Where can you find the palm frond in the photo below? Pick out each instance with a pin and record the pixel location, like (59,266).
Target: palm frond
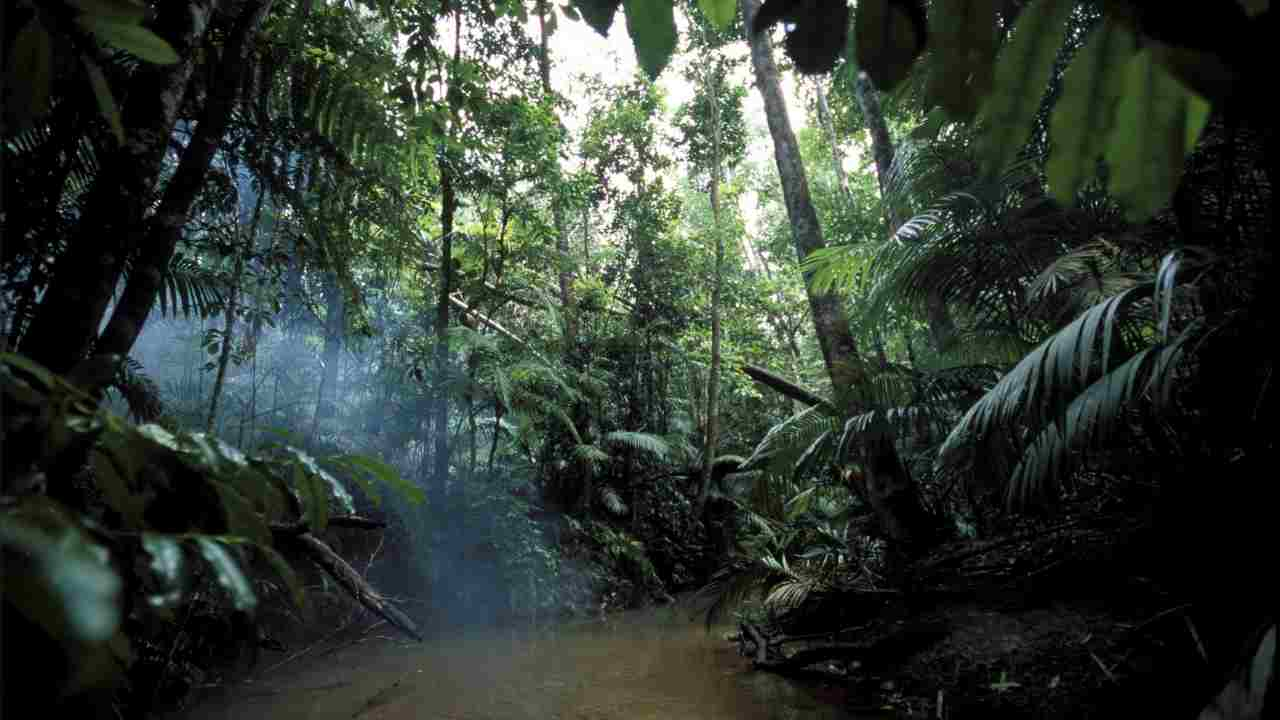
(646,442)
(195,288)
(612,501)
(1092,419)
(590,454)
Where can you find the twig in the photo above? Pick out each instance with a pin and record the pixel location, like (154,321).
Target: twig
(1195,636)
(1105,670)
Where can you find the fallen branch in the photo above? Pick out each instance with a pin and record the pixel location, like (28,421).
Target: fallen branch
(347,577)
(812,656)
(358,522)
(785,387)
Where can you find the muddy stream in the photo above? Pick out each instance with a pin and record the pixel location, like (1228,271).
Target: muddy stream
(637,665)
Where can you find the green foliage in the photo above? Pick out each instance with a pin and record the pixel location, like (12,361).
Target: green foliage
(653,30)
(159,498)
(1070,395)
(44,38)
(1140,110)
(719,12)
(1022,73)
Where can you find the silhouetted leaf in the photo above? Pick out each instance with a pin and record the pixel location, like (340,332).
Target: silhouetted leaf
(652,27)
(1157,123)
(598,13)
(106,102)
(130,37)
(30,74)
(1022,74)
(1084,116)
(888,41)
(962,38)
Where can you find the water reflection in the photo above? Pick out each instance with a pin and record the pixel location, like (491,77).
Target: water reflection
(652,664)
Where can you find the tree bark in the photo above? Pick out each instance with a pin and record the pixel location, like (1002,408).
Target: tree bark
(229,319)
(84,277)
(712,91)
(335,327)
(563,257)
(165,228)
(839,350)
(346,576)
(889,488)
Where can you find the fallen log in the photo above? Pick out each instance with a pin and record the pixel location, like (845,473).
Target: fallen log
(357,586)
(358,522)
(785,387)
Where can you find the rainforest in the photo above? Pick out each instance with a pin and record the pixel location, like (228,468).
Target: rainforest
(514,359)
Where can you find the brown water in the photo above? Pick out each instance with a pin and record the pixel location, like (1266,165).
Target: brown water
(639,665)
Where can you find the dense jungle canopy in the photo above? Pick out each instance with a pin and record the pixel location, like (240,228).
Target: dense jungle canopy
(924,343)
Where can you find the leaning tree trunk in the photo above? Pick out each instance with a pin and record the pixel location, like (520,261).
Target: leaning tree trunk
(84,277)
(888,487)
(165,227)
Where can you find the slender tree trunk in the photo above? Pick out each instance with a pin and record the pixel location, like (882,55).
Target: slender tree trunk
(942,329)
(165,228)
(563,258)
(712,91)
(335,326)
(828,127)
(888,487)
(84,277)
(229,319)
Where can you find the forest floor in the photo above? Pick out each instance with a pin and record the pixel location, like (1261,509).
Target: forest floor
(1038,625)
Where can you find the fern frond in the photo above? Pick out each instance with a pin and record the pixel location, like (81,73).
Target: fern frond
(612,501)
(646,442)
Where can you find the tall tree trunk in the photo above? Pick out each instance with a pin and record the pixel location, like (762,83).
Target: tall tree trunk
(229,319)
(335,326)
(888,487)
(829,128)
(84,277)
(165,227)
(839,350)
(563,258)
(942,329)
(448,212)
(712,90)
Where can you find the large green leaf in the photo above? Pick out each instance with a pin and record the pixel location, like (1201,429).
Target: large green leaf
(227,572)
(652,26)
(962,36)
(57,576)
(167,569)
(123,11)
(598,13)
(1022,74)
(1085,114)
(106,101)
(887,40)
(30,73)
(1157,123)
(130,37)
(719,12)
